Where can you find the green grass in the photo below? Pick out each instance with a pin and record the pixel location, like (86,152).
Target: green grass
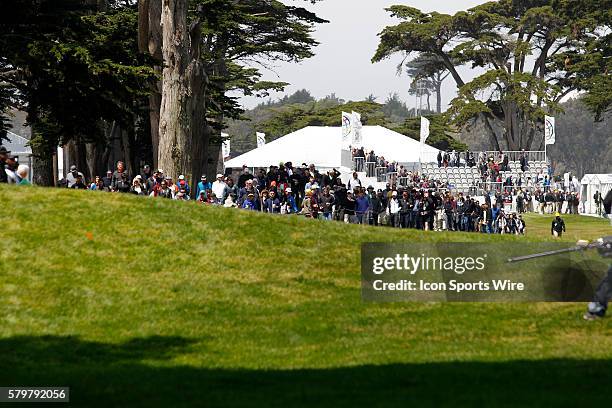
(144,302)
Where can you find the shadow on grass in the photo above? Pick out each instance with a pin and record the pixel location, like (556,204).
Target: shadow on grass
(139,373)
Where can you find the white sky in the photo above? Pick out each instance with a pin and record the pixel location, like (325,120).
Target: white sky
(348,42)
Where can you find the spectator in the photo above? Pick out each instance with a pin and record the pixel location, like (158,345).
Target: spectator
(108,180)
(558,226)
(218,187)
(97,185)
(118,177)
(137,188)
(11,167)
(3,156)
(165,191)
(353,182)
(78,183)
(22,173)
(72,176)
(203,185)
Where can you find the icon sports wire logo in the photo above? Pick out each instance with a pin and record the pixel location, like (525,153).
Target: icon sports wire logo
(412,265)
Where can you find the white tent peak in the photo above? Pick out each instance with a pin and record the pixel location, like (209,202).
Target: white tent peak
(321,146)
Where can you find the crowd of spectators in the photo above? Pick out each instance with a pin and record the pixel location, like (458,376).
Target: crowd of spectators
(412,200)
(11,171)
(305,191)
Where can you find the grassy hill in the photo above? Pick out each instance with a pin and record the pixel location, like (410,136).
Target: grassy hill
(142,302)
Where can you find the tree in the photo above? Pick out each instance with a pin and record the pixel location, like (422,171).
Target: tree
(430,69)
(71,68)
(294,117)
(395,109)
(503,38)
(226,36)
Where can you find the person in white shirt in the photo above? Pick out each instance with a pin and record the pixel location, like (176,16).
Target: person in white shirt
(354,182)
(218,188)
(393,210)
(71,177)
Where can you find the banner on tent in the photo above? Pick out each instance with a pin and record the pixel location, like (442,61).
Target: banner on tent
(424,129)
(347,130)
(261,139)
(225,147)
(550,135)
(357,127)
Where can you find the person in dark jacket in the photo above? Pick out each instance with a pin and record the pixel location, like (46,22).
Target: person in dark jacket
(273,204)
(3,157)
(607,203)
(246,175)
(107,180)
(122,185)
(557,227)
(376,206)
(598,307)
(78,183)
(405,210)
(362,206)
(118,176)
(326,204)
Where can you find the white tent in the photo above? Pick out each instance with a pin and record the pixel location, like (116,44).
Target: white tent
(18,146)
(321,146)
(590,184)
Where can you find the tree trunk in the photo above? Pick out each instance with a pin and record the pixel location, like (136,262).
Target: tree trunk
(175,126)
(183,141)
(439,97)
(42,164)
(150,40)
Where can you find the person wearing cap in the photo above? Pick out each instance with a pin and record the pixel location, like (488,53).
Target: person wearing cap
(182,184)
(218,187)
(246,190)
(307,204)
(11,167)
(71,177)
(3,156)
(137,188)
(557,227)
(249,203)
(108,180)
(203,185)
(290,204)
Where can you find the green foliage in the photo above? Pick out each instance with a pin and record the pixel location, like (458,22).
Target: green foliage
(295,117)
(279,119)
(75,67)
(238,36)
(534,53)
(440,135)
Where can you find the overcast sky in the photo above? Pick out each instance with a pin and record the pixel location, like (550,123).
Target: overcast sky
(348,42)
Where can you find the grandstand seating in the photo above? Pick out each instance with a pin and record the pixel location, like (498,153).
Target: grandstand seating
(464,179)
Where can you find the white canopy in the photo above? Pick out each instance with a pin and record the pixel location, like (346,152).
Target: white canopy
(17,145)
(590,184)
(321,146)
